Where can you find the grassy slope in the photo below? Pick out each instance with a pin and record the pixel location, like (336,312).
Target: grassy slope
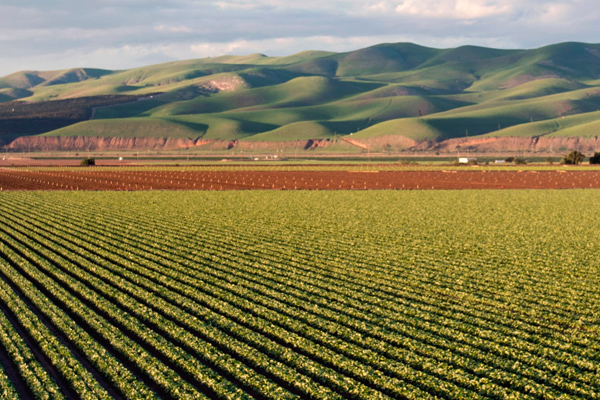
(585,125)
(131,127)
(11,94)
(388,89)
(412,128)
(295,131)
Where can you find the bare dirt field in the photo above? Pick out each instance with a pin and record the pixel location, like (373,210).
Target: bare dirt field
(97,179)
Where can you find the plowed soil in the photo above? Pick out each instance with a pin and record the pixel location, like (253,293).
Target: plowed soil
(96,179)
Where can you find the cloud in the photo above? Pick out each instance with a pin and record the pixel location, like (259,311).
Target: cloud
(340,6)
(380,7)
(211,49)
(555,12)
(455,9)
(38,34)
(176,29)
(238,5)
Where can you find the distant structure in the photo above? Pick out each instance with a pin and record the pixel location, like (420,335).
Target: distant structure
(467,160)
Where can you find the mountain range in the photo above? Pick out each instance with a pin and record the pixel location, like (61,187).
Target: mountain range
(388,97)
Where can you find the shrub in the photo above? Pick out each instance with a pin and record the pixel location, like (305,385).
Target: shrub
(88,162)
(573,158)
(520,161)
(595,159)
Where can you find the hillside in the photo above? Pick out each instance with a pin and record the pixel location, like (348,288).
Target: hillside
(390,97)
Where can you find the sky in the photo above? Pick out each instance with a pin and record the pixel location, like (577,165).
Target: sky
(119,34)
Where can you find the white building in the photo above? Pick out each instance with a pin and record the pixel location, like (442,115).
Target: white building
(467,160)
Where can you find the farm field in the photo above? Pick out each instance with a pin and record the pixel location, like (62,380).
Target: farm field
(466,294)
(338,177)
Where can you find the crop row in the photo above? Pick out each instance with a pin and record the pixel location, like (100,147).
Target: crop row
(337,278)
(39,382)
(205,302)
(314,369)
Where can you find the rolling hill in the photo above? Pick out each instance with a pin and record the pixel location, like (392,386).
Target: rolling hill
(388,97)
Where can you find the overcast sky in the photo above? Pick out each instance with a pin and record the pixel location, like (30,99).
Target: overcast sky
(118,34)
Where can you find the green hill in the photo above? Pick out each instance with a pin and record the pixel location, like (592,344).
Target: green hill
(401,89)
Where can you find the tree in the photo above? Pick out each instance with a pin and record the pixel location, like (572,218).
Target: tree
(573,158)
(595,159)
(88,162)
(520,161)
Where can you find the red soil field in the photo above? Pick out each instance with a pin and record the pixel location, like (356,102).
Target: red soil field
(96,179)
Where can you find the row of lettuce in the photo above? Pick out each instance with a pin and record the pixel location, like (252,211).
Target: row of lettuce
(200,301)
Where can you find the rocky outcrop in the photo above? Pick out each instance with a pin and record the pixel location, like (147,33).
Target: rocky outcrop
(539,144)
(92,143)
(312,144)
(385,144)
(389,143)
(356,143)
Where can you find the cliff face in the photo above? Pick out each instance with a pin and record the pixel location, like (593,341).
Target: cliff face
(393,143)
(502,144)
(538,144)
(90,143)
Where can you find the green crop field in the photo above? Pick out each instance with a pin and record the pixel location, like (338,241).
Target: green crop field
(321,295)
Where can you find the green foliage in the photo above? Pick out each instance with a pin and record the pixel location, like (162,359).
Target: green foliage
(365,300)
(88,162)
(595,159)
(516,160)
(520,161)
(575,157)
